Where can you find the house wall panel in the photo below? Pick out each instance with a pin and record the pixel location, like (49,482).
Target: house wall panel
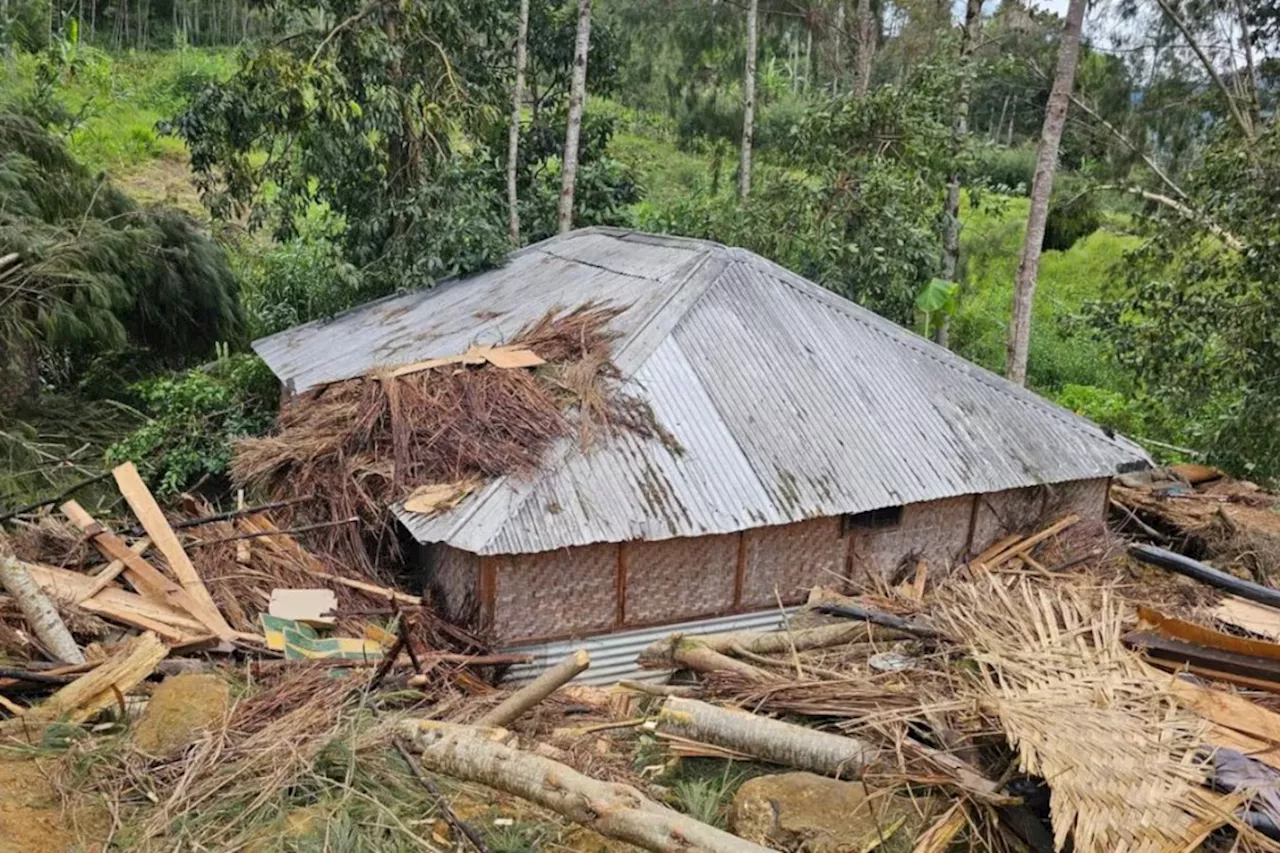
(680,578)
(791,559)
(454,581)
(934,531)
(565,593)
(1026,510)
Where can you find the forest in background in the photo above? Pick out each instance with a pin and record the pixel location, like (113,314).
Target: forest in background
(178,177)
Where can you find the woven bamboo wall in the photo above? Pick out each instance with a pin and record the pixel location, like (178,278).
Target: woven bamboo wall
(562,593)
(1025,510)
(678,579)
(454,579)
(791,558)
(936,532)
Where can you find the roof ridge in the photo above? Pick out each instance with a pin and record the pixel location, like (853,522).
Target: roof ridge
(899,334)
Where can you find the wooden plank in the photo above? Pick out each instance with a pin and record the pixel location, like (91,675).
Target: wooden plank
(152,519)
(113,570)
(996,548)
(1179,629)
(118,605)
(1249,615)
(1221,665)
(1027,544)
(1227,709)
(146,578)
(96,690)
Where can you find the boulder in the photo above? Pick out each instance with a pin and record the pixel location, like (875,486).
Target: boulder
(181,710)
(814,814)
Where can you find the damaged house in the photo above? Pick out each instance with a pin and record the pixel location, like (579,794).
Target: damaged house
(806,440)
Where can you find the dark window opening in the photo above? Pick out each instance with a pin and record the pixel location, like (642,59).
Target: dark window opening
(889,516)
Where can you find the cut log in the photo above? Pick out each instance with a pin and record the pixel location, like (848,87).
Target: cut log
(42,617)
(535,691)
(807,639)
(1197,570)
(613,810)
(152,519)
(96,690)
(663,690)
(767,739)
(689,653)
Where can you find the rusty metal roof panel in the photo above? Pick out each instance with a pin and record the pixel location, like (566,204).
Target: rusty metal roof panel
(783,400)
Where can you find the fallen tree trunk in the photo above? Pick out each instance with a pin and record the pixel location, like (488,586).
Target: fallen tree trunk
(613,810)
(535,691)
(42,617)
(710,652)
(767,739)
(1197,570)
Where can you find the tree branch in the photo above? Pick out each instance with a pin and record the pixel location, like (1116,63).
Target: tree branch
(1128,143)
(1230,240)
(1246,126)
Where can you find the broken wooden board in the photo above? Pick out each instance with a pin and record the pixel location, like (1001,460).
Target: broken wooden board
(118,605)
(96,690)
(435,497)
(146,578)
(113,569)
(1179,629)
(152,519)
(1253,617)
(314,607)
(502,357)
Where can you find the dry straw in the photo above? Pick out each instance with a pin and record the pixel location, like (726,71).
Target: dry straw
(1123,762)
(365,443)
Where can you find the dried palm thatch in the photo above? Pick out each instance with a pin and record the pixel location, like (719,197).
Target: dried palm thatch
(365,443)
(1123,762)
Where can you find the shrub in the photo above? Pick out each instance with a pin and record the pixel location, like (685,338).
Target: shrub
(194,418)
(1073,215)
(1009,170)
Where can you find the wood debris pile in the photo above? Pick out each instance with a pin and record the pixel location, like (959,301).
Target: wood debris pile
(1040,698)
(366,443)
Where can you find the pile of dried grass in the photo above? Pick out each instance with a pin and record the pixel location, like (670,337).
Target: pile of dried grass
(364,443)
(1123,761)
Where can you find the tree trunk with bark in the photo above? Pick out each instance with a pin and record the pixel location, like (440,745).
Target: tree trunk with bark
(865,35)
(959,130)
(577,100)
(749,101)
(767,739)
(535,691)
(513,135)
(613,810)
(1041,190)
(41,616)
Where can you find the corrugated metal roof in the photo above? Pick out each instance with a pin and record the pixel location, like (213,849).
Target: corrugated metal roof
(613,656)
(787,401)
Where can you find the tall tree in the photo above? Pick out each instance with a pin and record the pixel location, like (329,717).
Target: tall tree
(513,135)
(866,32)
(959,130)
(1041,189)
(577,99)
(749,101)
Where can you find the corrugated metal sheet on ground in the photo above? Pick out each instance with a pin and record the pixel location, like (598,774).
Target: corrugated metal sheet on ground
(786,401)
(613,656)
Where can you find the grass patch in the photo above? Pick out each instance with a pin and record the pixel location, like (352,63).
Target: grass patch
(1062,350)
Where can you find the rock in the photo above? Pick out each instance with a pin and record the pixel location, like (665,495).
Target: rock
(182,709)
(814,814)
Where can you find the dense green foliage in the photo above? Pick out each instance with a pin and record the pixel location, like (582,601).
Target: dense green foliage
(194,417)
(94,271)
